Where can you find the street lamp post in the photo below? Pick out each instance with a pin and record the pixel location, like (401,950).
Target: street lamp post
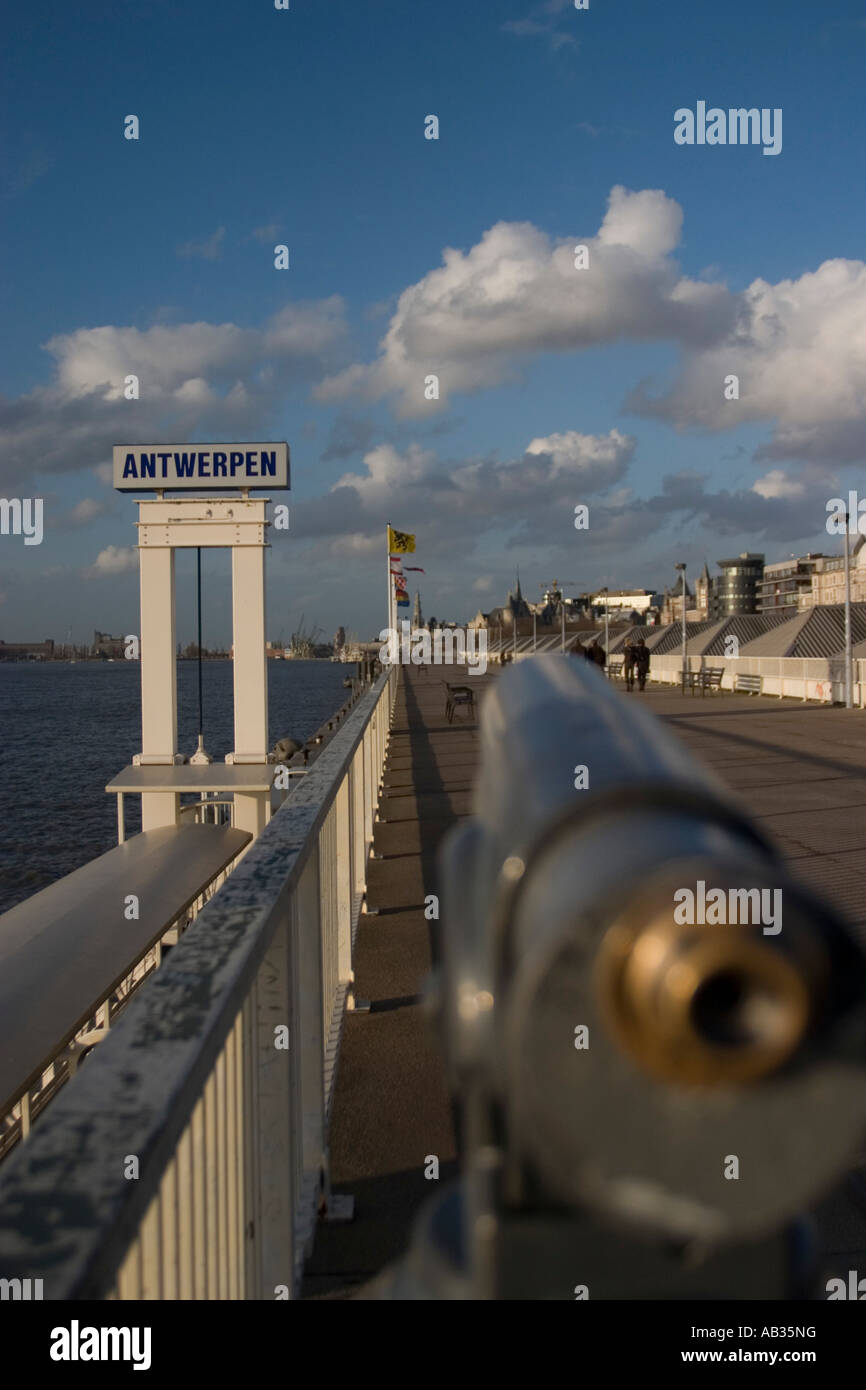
(685,658)
(562,614)
(533,631)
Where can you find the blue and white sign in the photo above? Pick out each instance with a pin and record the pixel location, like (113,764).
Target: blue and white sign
(206,467)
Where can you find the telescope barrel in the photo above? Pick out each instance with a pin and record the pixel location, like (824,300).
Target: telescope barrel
(632,979)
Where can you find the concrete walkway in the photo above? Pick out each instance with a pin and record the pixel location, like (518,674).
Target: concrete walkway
(391,1106)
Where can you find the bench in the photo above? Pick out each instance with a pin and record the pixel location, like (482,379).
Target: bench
(614,667)
(749,685)
(459,695)
(64,950)
(709,679)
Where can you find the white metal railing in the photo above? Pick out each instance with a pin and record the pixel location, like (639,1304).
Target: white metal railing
(17,1121)
(215,1088)
(802,678)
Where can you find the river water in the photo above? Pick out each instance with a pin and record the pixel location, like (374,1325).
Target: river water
(67,728)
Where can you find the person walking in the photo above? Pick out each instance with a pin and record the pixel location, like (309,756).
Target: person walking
(628,664)
(642,662)
(597,654)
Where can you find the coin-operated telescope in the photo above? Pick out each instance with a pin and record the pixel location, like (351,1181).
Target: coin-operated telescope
(656,1037)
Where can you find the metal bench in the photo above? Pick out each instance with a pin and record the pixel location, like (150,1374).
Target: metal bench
(64,951)
(459,695)
(709,679)
(749,685)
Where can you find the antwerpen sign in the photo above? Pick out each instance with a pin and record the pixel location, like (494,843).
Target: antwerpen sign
(143,467)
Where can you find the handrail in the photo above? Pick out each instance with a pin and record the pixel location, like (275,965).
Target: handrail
(194,1090)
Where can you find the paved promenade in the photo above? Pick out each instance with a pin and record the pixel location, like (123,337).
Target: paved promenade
(800,770)
(391,1105)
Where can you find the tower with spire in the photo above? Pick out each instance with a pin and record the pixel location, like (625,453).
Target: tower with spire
(417,620)
(703,592)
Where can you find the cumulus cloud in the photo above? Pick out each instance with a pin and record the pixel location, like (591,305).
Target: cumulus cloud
(517,293)
(115,559)
(466,497)
(528,503)
(192,377)
(777,483)
(798,349)
(601,459)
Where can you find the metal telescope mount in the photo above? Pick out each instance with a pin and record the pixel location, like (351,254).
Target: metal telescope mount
(648,1105)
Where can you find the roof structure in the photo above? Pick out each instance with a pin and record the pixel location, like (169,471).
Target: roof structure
(746,627)
(651,635)
(816,632)
(671,639)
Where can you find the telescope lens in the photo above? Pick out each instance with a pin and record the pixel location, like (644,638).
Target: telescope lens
(731,1009)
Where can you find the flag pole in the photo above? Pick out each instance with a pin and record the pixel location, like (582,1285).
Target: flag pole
(389,623)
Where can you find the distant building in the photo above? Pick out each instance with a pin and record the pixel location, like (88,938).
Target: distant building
(787,584)
(704,593)
(514,612)
(105,645)
(417,619)
(27,651)
(672,605)
(339,639)
(736,589)
(622,601)
(827,578)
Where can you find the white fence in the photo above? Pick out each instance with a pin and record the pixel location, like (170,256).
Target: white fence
(799,678)
(189,1157)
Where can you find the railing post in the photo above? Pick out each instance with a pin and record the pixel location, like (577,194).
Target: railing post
(368,786)
(269,1122)
(345,879)
(310,1034)
(359,844)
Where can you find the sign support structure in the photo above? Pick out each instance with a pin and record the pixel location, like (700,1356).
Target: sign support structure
(192,521)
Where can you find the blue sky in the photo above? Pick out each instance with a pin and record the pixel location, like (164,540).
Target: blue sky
(306,128)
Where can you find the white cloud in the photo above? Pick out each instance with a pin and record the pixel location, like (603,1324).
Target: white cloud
(88,509)
(777,483)
(464,498)
(517,293)
(192,377)
(601,459)
(115,559)
(799,351)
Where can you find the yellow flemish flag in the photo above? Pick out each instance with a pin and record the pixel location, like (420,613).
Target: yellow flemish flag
(400,542)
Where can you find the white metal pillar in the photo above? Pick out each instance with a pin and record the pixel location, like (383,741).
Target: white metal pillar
(165,525)
(158,679)
(250,677)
